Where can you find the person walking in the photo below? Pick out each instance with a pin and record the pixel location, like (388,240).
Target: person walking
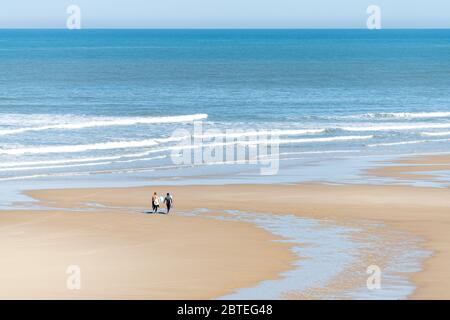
(168,200)
(155,202)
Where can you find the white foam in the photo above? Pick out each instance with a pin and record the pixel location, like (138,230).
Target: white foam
(309,140)
(89,164)
(56,162)
(152,142)
(396,127)
(55,167)
(140,159)
(66,161)
(108,122)
(257,142)
(262,133)
(405,142)
(436,134)
(80,148)
(312,152)
(400,115)
(46,175)
(90,147)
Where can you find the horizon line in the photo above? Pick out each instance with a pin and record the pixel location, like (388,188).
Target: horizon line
(225,28)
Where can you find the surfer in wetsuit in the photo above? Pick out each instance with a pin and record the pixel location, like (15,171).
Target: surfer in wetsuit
(168,200)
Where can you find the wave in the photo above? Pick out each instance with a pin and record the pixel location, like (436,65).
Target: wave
(400,115)
(67,161)
(108,123)
(141,159)
(309,140)
(436,134)
(387,144)
(80,148)
(263,142)
(56,162)
(319,152)
(54,167)
(89,164)
(94,146)
(238,134)
(310,152)
(46,175)
(396,127)
(154,142)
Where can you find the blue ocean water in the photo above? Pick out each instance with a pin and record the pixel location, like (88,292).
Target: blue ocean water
(85,102)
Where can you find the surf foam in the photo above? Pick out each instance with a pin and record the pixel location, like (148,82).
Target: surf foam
(106,123)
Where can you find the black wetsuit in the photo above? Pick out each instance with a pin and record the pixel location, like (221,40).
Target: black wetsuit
(168,201)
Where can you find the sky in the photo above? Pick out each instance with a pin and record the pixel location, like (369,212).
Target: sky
(225,13)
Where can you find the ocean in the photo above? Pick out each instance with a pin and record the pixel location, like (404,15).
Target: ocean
(103,105)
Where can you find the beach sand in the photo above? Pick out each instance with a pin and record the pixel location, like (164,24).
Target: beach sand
(127,254)
(421,211)
(132,256)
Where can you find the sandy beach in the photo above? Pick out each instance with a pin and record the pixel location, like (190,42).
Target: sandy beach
(130,256)
(127,254)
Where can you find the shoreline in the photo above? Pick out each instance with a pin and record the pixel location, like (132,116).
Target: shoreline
(418,211)
(425,168)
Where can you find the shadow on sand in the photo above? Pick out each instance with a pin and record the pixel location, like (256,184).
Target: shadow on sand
(158,212)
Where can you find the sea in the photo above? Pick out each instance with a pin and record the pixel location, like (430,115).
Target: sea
(110,107)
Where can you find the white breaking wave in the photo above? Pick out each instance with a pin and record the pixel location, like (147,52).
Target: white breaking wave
(46,175)
(387,144)
(400,115)
(396,127)
(90,147)
(310,140)
(108,123)
(80,148)
(56,162)
(154,142)
(89,164)
(55,167)
(436,134)
(319,152)
(140,159)
(263,142)
(67,161)
(262,133)
(310,152)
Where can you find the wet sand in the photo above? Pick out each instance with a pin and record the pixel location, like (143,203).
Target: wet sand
(413,168)
(424,212)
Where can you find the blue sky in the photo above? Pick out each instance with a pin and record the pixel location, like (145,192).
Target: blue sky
(225,13)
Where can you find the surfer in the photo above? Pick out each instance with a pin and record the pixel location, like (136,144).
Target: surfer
(155,202)
(168,200)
